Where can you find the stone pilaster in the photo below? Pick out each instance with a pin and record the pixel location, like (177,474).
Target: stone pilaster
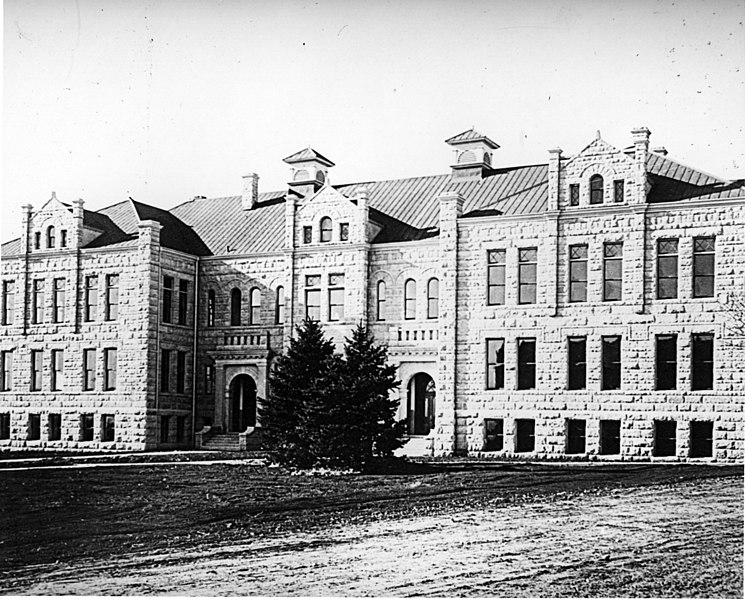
(290,209)
(641,151)
(554,173)
(148,297)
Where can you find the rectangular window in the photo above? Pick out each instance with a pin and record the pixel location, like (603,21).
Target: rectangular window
(89,369)
(575,436)
(108,428)
(380,308)
(495,363)
(91,298)
(528,263)
(86,427)
(702,361)
(165,423)
(667,362)
(4,426)
(610,437)
(58,365)
(577,376)
(167,299)
(183,300)
(307,235)
(578,273)
(526,363)
(9,296)
(493,434)
(58,300)
(618,190)
(63,238)
(109,365)
(702,439)
(611,360)
(34,427)
(496,277)
(111,307)
(209,379)
(180,371)
(180,429)
(344,232)
(667,268)
(574,194)
(37,368)
(165,370)
(6,370)
(703,266)
(54,424)
(336,297)
(313,297)
(612,271)
(37,301)
(664,437)
(524,435)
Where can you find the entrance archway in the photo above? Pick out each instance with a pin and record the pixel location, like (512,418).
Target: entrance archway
(421,404)
(242,403)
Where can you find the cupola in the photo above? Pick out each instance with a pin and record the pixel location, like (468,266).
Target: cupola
(309,170)
(473,153)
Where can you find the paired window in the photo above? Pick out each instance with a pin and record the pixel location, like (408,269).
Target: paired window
(86,427)
(336,297)
(4,426)
(666,362)
(6,370)
(493,434)
(111,303)
(235,307)
(410,300)
(58,300)
(37,301)
(89,369)
(527,271)
(211,308)
(183,300)
(610,437)
(37,368)
(279,306)
(209,379)
(313,297)
(496,277)
(165,425)
(109,369)
(703,266)
(702,361)
(254,313)
(702,437)
(34,427)
(165,370)
(54,427)
(433,298)
(91,298)
(495,363)
(611,362)
(667,268)
(108,428)
(524,435)
(9,297)
(665,438)
(596,189)
(526,363)
(612,271)
(380,303)
(575,436)
(578,273)
(58,366)
(180,429)
(577,350)
(166,315)
(180,371)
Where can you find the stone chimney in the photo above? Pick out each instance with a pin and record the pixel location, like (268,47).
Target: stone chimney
(554,183)
(363,208)
(250,191)
(641,144)
(26,243)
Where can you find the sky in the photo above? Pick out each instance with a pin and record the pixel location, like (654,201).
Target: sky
(163,100)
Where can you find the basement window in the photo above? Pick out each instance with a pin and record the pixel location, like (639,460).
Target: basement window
(664,438)
(493,434)
(524,435)
(575,436)
(610,437)
(702,436)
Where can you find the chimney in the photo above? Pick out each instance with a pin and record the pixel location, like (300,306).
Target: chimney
(641,144)
(250,191)
(554,184)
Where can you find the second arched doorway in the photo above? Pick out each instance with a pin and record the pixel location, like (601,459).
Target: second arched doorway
(421,404)
(242,403)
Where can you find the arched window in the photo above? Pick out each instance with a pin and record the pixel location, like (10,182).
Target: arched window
(381,301)
(466,157)
(325,229)
(254,316)
(320,177)
(433,298)
(235,307)
(211,308)
(279,306)
(596,189)
(300,175)
(50,237)
(410,300)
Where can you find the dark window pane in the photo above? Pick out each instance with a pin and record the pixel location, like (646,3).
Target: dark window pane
(526,363)
(494,437)
(574,194)
(577,363)
(525,435)
(611,358)
(667,361)
(702,437)
(575,441)
(596,189)
(495,363)
(664,437)
(610,437)
(702,358)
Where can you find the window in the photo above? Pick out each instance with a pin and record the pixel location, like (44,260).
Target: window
(254,313)
(325,229)
(58,300)
(165,422)
(9,296)
(611,360)
(433,298)
(63,238)
(380,311)
(165,370)
(575,436)
(610,437)
(180,371)
(279,306)
(313,297)
(4,426)
(50,237)
(86,427)
(54,427)
(495,277)
(180,429)
(109,366)
(596,189)
(34,427)
(493,434)
(111,306)
(667,268)
(527,264)
(235,307)
(574,194)
(702,437)
(495,363)
(89,369)
(183,300)
(526,363)
(344,232)
(37,369)
(618,190)
(167,299)
(6,370)
(664,437)
(37,301)
(410,300)
(211,308)
(702,361)
(667,361)
(209,379)
(577,349)
(58,365)
(703,266)
(37,240)
(524,435)
(336,297)
(612,271)
(91,298)
(108,428)
(578,273)
(307,235)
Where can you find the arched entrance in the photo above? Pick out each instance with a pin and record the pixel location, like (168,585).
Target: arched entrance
(242,403)
(421,404)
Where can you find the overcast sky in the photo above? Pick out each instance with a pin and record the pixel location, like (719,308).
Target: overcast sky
(164,100)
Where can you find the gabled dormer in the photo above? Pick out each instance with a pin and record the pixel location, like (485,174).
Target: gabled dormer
(473,154)
(309,171)
(56,226)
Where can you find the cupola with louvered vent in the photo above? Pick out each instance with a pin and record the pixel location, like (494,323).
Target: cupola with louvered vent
(473,154)
(309,170)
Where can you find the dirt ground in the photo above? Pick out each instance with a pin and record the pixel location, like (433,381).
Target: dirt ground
(516,530)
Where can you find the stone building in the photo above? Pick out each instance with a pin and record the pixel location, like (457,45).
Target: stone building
(579,308)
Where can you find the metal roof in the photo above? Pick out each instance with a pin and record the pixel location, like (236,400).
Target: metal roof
(307,155)
(469,136)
